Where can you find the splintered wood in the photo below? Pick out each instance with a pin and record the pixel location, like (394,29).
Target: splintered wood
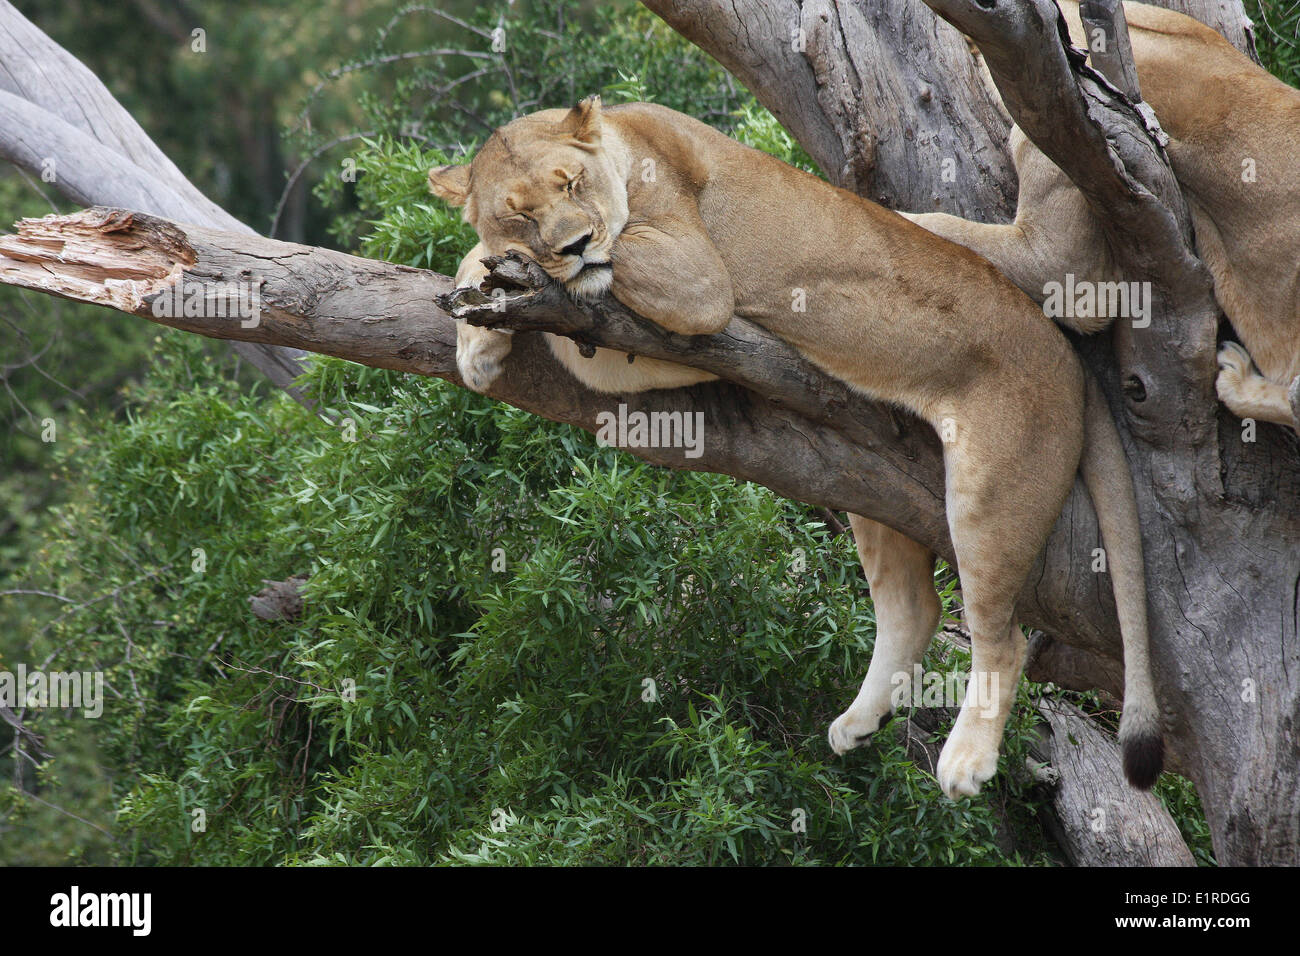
(102,256)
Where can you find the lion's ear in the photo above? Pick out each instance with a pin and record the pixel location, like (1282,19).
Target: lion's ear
(583,122)
(450,184)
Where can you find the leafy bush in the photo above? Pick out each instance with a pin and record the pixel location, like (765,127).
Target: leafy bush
(1277,36)
(516,646)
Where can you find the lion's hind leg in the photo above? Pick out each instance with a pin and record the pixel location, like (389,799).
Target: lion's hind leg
(1001,508)
(900,573)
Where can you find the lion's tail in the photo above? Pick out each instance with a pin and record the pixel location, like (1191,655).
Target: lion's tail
(1106,475)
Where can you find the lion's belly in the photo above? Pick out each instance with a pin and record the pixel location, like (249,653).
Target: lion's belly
(610,371)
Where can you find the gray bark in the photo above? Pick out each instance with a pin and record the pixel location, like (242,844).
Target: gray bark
(1098,819)
(798,431)
(1094,815)
(883,95)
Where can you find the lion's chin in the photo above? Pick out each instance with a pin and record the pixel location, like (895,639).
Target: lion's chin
(592,282)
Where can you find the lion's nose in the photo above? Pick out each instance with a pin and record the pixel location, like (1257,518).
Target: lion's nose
(575,248)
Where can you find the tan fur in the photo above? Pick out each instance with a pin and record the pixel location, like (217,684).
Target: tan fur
(687,219)
(1227,120)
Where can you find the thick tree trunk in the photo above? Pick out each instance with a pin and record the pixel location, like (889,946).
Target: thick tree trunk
(850,80)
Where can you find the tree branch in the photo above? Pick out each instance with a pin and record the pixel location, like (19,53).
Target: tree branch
(57,117)
(524,298)
(1099,819)
(1114,154)
(1087,127)
(1114,59)
(794,429)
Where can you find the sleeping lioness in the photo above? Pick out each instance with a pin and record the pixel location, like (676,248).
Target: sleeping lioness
(896,312)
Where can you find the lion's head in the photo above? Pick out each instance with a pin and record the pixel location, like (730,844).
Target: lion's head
(546,186)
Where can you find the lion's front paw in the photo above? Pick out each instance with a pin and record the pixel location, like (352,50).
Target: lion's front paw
(479,354)
(964,766)
(852,728)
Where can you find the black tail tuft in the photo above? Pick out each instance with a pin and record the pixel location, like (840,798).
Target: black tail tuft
(1144,758)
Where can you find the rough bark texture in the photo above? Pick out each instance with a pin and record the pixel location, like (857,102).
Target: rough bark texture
(1094,815)
(850,81)
(1226,578)
(387,316)
(1099,820)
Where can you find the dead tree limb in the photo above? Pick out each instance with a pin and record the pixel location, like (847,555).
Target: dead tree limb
(387,316)
(1099,820)
(794,430)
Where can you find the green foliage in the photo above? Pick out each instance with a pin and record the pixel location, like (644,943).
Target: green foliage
(757,127)
(1277,37)
(55,357)
(412,227)
(1184,805)
(496,594)
(555,52)
(218,102)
